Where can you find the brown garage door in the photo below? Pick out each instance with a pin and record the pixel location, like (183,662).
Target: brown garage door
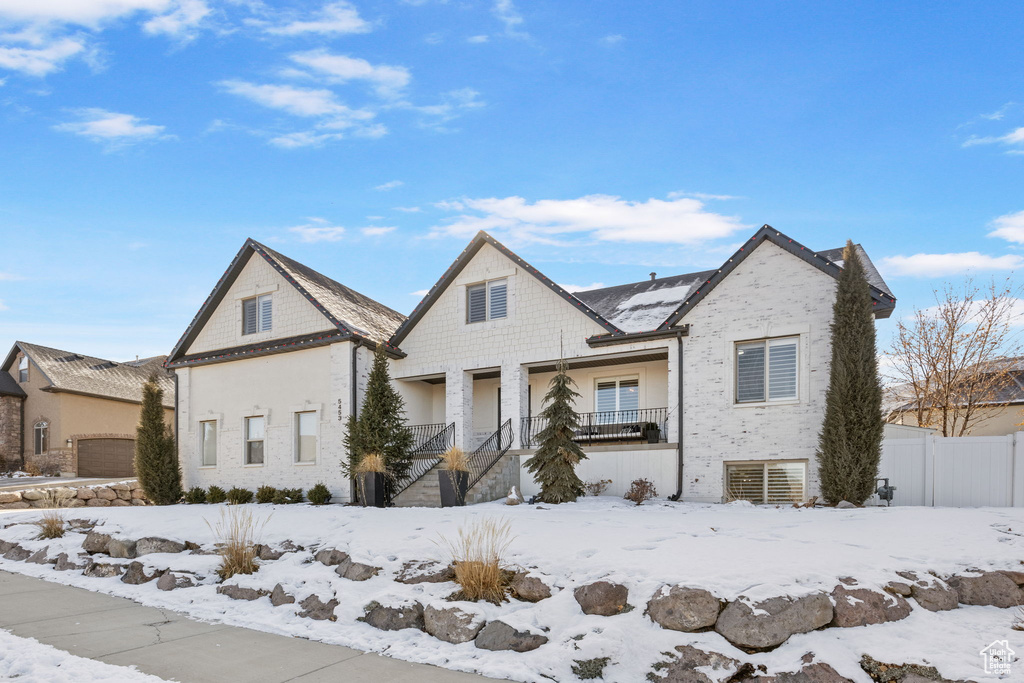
(106,458)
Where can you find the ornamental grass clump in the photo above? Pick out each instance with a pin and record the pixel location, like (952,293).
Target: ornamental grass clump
(478,557)
(455,460)
(51,525)
(237,535)
(371,463)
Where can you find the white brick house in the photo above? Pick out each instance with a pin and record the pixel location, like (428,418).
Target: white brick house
(743,348)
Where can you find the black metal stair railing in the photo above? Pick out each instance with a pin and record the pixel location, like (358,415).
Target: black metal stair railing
(427,451)
(609,426)
(490,451)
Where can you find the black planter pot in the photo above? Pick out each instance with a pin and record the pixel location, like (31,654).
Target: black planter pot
(652,435)
(372,489)
(454,485)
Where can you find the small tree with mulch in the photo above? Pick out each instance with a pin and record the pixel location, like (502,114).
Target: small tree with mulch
(850,444)
(156,454)
(554,464)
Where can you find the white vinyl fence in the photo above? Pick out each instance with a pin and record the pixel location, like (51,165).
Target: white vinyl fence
(968,471)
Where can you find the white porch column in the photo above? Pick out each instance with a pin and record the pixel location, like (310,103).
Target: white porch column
(515,387)
(458,406)
(672,400)
(335,417)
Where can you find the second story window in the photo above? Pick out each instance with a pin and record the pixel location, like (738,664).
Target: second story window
(23,369)
(257,314)
(766,370)
(487,301)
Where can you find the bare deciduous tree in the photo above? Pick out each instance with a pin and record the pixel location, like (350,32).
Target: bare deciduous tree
(953,362)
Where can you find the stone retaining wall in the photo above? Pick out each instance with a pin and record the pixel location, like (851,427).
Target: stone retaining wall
(107,495)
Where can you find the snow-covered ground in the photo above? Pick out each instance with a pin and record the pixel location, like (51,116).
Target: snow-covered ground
(731,550)
(29,661)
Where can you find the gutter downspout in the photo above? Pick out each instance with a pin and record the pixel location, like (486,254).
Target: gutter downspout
(21,451)
(353,409)
(177,406)
(679,416)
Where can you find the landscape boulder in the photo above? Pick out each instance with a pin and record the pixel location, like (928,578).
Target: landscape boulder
(330,557)
(154,544)
(279,597)
(39,557)
(862,606)
(117,502)
(314,608)
(423,571)
(85,493)
(691,665)
(497,635)
(356,571)
(988,588)
(102,570)
(529,588)
(267,554)
(602,598)
(6,545)
(33,494)
(17,553)
(170,581)
(95,543)
(770,622)
(136,574)
(63,563)
(678,608)
(10,497)
(104,493)
(819,672)
(97,503)
(239,593)
(393,618)
(451,624)
(124,549)
(931,592)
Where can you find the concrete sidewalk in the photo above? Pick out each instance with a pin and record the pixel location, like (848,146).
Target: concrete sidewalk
(172,646)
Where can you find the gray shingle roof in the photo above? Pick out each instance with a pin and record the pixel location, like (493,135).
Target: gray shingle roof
(82,374)
(642,306)
(9,386)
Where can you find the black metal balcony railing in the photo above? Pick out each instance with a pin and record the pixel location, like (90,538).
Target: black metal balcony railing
(421,434)
(610,426)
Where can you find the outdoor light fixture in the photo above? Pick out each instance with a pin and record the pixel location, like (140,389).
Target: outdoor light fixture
(70,442)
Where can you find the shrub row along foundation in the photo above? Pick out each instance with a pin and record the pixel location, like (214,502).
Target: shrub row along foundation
(70,497)
(751,626)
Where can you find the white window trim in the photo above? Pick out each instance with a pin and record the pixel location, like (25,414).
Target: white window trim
(769,461)
(800,389)
(43,425)
(641,402)
(265,414)
(216,419)
(317,410)
(259,315)
(487,301)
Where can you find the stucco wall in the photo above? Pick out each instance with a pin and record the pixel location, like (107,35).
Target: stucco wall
(656,463)
(276,387)
(292,314)
(771,294)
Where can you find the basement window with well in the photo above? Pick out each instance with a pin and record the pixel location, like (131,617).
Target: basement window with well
(487,301)
(766,482)
(766,370)
(257,314)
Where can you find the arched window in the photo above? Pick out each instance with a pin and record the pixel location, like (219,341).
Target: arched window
(42,437)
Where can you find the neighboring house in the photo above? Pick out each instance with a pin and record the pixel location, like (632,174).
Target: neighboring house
(743,348)
(69,413)
(1000,414)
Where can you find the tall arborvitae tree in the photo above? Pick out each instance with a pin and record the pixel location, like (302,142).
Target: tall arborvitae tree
(850,444)
(554,464)
(380,427)
(156,454)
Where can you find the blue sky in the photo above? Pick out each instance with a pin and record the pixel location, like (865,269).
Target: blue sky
(143,140)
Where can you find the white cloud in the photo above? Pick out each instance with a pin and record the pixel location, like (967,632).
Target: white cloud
(506,12)
(110,127)
(582,288)
(10,277)
(1015,312)
(613,39)
(335,17)
(420,292)
(3,306)
(318,230)
(89,13)
(453,103)
(936,265)
(407,209)
(375,231)
(181,21)
(390,185)
(296,101)
(387,80)
(702,196)
(478,39)
(1010,227)
(599,217)
(1014,137)
(304,138)
(39,61)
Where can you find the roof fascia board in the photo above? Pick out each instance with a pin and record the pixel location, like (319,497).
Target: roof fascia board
(463,259)
(58,390)
(608,339)
(883,303)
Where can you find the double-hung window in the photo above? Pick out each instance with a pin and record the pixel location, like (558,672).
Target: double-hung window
(23,369)
(208,442)
(305,437)
(765,482)
(254,434)
(766,370)
(487,301)
(617,399)
(257,314)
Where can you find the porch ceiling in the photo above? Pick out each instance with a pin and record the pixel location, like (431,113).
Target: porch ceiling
(602,361)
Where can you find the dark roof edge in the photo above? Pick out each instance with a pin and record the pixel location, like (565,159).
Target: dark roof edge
(14,352)
(460,262)
(276,346)
(105,397)
(883,303)
(608,339)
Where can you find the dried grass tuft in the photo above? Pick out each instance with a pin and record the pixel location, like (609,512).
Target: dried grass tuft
(371,462)
(455,459)
(237,533)
(51,525)
(1018,619)
(477,554)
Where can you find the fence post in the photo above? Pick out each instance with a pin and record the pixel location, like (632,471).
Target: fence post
(1017,499)
(929,470)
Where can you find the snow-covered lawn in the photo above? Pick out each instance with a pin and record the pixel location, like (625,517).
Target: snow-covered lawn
(29,661)
(731,550)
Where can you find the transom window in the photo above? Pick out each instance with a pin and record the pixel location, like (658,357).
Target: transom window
(41,433)
(208,442)
(305,437)
(23,369)
(257,314)
(766,370)
(766,482)
(255,428)
(487,301)
(614,396)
